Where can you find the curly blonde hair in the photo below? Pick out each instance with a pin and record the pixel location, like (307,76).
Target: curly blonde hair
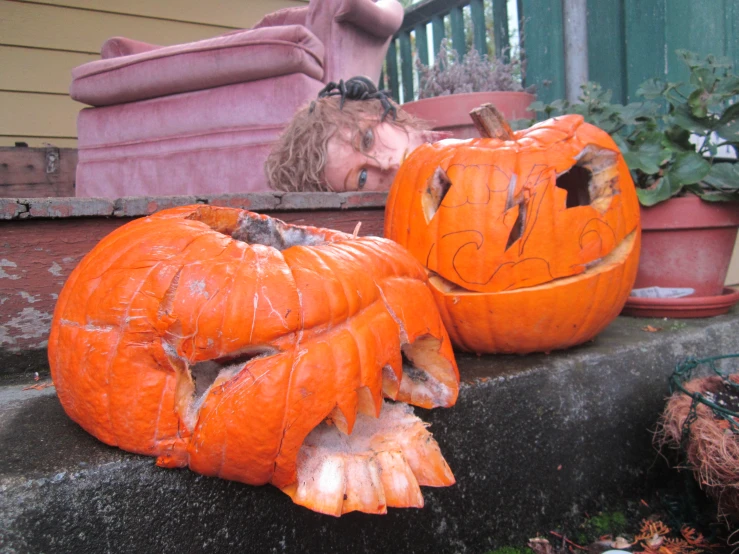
(298,159)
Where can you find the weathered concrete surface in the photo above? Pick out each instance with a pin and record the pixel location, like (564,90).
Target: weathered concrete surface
(136,206)
(533,441)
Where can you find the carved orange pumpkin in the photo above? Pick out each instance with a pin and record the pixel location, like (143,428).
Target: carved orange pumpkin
(532,238)
(249,349)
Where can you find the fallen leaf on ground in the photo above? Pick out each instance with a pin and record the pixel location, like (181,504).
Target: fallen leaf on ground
(540,546)
(651,329)
(40,386)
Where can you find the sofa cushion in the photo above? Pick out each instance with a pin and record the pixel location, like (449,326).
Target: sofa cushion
(198,112)
(233,58)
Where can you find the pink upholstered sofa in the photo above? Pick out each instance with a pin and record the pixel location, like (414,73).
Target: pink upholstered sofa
(201,117)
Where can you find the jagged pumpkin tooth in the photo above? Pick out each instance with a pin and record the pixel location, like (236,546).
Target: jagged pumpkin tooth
(390,382)
(321,482)
(399,482)
(429,379)
(364,490)
(366,403)
(424,456)
(338,419)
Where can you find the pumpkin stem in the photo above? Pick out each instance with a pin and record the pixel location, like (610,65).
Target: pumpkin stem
(491,123)
(356,229)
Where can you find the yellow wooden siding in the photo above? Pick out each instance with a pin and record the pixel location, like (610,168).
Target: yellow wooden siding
(60,28)
(29,69)
(228,13)
(40,115)
(40,43)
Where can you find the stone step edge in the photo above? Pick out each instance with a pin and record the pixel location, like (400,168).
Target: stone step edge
(136,206)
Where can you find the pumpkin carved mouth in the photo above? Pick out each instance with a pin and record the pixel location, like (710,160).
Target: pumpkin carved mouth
(525,212)
(218,339)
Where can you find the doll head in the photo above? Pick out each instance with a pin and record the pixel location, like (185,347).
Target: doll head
(328,148)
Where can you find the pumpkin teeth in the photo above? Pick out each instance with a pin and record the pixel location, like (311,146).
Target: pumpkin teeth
(427,381)
(367,403)
(382,463)
(390,383)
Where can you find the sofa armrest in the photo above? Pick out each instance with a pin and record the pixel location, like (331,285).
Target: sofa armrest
(252,55)
(120,46)
(285,16)
(381,19)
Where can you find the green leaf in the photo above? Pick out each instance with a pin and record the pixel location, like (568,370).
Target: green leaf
(679,137)
(728,125)
(660,192)
(720,196)
(636,112)
(537,106)
(634,161)
(688,168)
(647,157)
(723,176)
(682,117)
(621,143)
(698,101)
(691,59)
(651,89)
(728,85)
(703,77)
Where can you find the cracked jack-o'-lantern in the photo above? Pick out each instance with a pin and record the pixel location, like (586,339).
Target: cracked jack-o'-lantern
(252,350)
(531,237)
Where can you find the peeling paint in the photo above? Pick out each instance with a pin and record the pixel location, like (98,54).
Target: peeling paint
(55,269)
(30,324)
(7,263)
(30,298)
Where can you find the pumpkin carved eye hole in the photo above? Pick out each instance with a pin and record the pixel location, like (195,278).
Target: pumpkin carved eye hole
(518,226)
(593,180)
(437,187)
(576,183)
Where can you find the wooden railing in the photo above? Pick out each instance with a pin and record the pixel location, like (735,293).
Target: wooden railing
(430,20)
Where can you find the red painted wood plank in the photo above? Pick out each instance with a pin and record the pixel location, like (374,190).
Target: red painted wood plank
(37,172)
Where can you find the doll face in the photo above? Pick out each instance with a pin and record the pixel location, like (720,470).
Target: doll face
(369,159)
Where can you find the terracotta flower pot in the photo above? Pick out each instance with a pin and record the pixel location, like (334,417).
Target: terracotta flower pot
(686,243)
(451,113)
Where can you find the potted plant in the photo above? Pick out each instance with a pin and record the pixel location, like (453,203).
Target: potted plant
(681,146)
(452,87)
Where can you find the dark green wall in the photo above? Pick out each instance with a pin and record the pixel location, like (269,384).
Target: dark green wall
(629,41)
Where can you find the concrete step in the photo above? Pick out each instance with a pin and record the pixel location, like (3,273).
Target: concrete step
(533,441)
